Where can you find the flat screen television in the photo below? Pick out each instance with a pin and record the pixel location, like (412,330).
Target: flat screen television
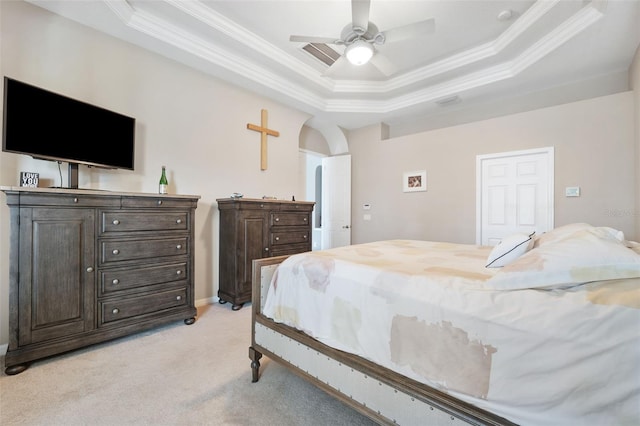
(49,126)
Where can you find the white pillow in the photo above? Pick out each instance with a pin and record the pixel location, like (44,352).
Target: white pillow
(565,231)
(584,256)
(559,233)
(509,249)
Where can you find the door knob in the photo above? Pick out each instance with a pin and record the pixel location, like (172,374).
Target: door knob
(345,227)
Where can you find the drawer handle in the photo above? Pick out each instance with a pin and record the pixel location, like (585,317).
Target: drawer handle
(266,249)
(304,236)
(305,219)
(75,200)
(178,297)
(277,238)
(261,206)
(115,251)
(115,311)
(179,221)
(179,246)
(90,269)
(159,202)
(116,222)
(115,281)
(178,272)
(277,219)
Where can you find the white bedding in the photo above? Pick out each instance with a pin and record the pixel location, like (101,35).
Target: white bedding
(424,309)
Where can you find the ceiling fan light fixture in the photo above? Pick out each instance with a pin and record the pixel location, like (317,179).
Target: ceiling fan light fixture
(359,52)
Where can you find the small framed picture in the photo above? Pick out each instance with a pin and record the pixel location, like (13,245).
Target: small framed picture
(414,181)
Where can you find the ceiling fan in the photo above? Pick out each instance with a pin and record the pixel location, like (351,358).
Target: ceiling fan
(361,35)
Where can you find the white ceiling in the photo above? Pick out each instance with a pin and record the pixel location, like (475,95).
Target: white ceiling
(548,52)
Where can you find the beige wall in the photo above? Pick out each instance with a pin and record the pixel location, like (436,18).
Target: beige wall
(312,140)
(594,149)
(196,125)
(634,83)
(193,124)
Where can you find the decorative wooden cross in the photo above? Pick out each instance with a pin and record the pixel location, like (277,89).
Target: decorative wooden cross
(262,128)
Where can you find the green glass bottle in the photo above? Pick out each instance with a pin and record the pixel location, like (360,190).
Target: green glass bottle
(163,182)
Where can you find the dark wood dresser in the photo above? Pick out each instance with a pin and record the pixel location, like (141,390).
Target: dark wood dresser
(253,229)
(88,266)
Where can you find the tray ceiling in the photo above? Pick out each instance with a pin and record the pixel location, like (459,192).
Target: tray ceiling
(485,58)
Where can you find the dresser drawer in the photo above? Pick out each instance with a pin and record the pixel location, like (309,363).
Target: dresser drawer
(117,310)
(159,202)
(306,207)
(289,219)
(126,221)
(114,281)
(289,237)
(68,200)
(289,249)
(121,250)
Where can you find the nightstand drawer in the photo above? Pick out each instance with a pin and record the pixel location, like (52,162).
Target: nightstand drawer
(122,221)
(289,219)
(117,280)
(122,250)
(117,310)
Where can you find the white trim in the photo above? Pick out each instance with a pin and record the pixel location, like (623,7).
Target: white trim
(204,302)
(314,153)
(158,28)
(549,151)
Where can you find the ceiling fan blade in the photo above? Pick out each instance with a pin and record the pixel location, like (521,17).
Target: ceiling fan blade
(404,32)
(311,39)
(360,14)
(383,64)
(341,64)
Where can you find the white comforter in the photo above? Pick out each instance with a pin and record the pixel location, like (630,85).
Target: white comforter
(422,309)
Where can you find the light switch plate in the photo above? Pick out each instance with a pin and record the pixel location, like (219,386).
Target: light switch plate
(572,191)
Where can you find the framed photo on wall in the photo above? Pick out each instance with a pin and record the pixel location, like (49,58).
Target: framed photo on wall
(414,181)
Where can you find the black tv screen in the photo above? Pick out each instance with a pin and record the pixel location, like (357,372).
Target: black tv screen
(50,126)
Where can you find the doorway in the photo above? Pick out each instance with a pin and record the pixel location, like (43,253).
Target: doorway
(514,193)
(327,182)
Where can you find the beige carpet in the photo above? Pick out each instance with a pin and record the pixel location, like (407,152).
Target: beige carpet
(173,375)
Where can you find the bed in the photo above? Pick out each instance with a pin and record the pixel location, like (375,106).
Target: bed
(537,330)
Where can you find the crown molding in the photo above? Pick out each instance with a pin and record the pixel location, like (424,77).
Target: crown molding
(226,26)
(162,30)
(505,70)
(470,56)
(242,35)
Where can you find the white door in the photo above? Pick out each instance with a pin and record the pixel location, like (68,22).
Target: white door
(514,194)
(336,201)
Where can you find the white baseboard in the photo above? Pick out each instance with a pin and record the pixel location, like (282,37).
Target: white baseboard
(205,302)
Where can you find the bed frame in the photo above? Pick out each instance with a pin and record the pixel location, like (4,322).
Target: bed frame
(379,393)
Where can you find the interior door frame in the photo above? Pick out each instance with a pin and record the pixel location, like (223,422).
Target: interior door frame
(549,151)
